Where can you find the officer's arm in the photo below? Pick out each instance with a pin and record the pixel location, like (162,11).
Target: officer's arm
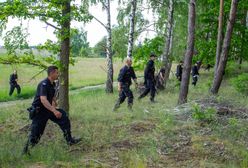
(54,104)
(134,77)
(47,104)
(120,78)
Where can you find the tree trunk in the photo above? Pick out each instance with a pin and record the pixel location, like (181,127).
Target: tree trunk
(226,45)
(220,35)
(131,30)
(168,39)
(109,82)
(64,57)
(189,54)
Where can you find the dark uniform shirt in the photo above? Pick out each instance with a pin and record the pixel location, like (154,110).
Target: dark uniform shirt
(45,88)
(150,70)
(179,70)
(195,70)
(12,79)
(125,75)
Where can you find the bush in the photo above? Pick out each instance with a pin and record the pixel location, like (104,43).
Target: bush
(240,83)
(230,69)
(203,115)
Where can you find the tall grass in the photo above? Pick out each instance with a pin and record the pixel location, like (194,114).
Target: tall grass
(145,137)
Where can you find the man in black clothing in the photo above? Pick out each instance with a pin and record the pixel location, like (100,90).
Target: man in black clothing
(179,71)
(13,83)
(195,74)
(124,82)
(160,79)
(44,105)
(150,81)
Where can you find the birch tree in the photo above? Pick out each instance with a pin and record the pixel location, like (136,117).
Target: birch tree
(107,7)
(131,29)
(168,38)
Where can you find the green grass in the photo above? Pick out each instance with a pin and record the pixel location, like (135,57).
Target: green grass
(85,72)
(153,135)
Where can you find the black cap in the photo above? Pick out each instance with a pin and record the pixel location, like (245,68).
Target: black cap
(153,55)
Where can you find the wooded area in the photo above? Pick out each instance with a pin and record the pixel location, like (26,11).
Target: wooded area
(209,34)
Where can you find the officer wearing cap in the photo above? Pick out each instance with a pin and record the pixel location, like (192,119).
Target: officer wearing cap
(124,82)
(150,81)
(44,107)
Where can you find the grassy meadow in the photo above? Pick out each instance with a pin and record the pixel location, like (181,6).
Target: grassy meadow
(85,72)
(206,132)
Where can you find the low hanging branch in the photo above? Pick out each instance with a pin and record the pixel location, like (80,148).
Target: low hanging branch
(18,60)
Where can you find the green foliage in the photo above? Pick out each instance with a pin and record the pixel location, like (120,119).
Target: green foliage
(45,11)
(241,83)
(119,41)
(79,45)
(203,115)
(100,48)
(15,39)
(142,52)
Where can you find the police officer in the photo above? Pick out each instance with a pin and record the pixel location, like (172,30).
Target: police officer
(13,83)
(124,82)
(44,104)
(149,79)
(179,71)
(195,74)
(160,79)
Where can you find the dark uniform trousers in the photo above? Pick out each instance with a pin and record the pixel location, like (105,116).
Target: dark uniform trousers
(39,123)
(126,92)
(150,87)
(12,88)
(195,79)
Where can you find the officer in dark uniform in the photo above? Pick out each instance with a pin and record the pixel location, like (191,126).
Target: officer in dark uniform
(150,81)
(45,108)
(124,82)
(195,74)
(179,71)
(160,79)
(13,83)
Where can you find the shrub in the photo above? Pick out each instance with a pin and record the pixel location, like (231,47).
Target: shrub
(240,83)
(204,115)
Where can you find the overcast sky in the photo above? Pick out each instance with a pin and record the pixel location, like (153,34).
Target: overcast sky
(39,32)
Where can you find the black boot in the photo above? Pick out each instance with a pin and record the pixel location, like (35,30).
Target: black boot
(117,105)
(26,149)
(74,141)
(69,139)
(130,106)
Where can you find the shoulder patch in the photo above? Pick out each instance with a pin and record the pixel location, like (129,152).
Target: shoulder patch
(44,83)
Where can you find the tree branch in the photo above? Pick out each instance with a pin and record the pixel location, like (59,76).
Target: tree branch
(99,21)
(49,24)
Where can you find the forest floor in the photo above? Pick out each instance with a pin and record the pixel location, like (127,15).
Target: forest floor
(208,131)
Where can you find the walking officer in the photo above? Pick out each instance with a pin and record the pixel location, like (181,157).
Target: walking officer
(179,71)
(124,82)
(195,74)
(44,108)
(150,81)
(13,83)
